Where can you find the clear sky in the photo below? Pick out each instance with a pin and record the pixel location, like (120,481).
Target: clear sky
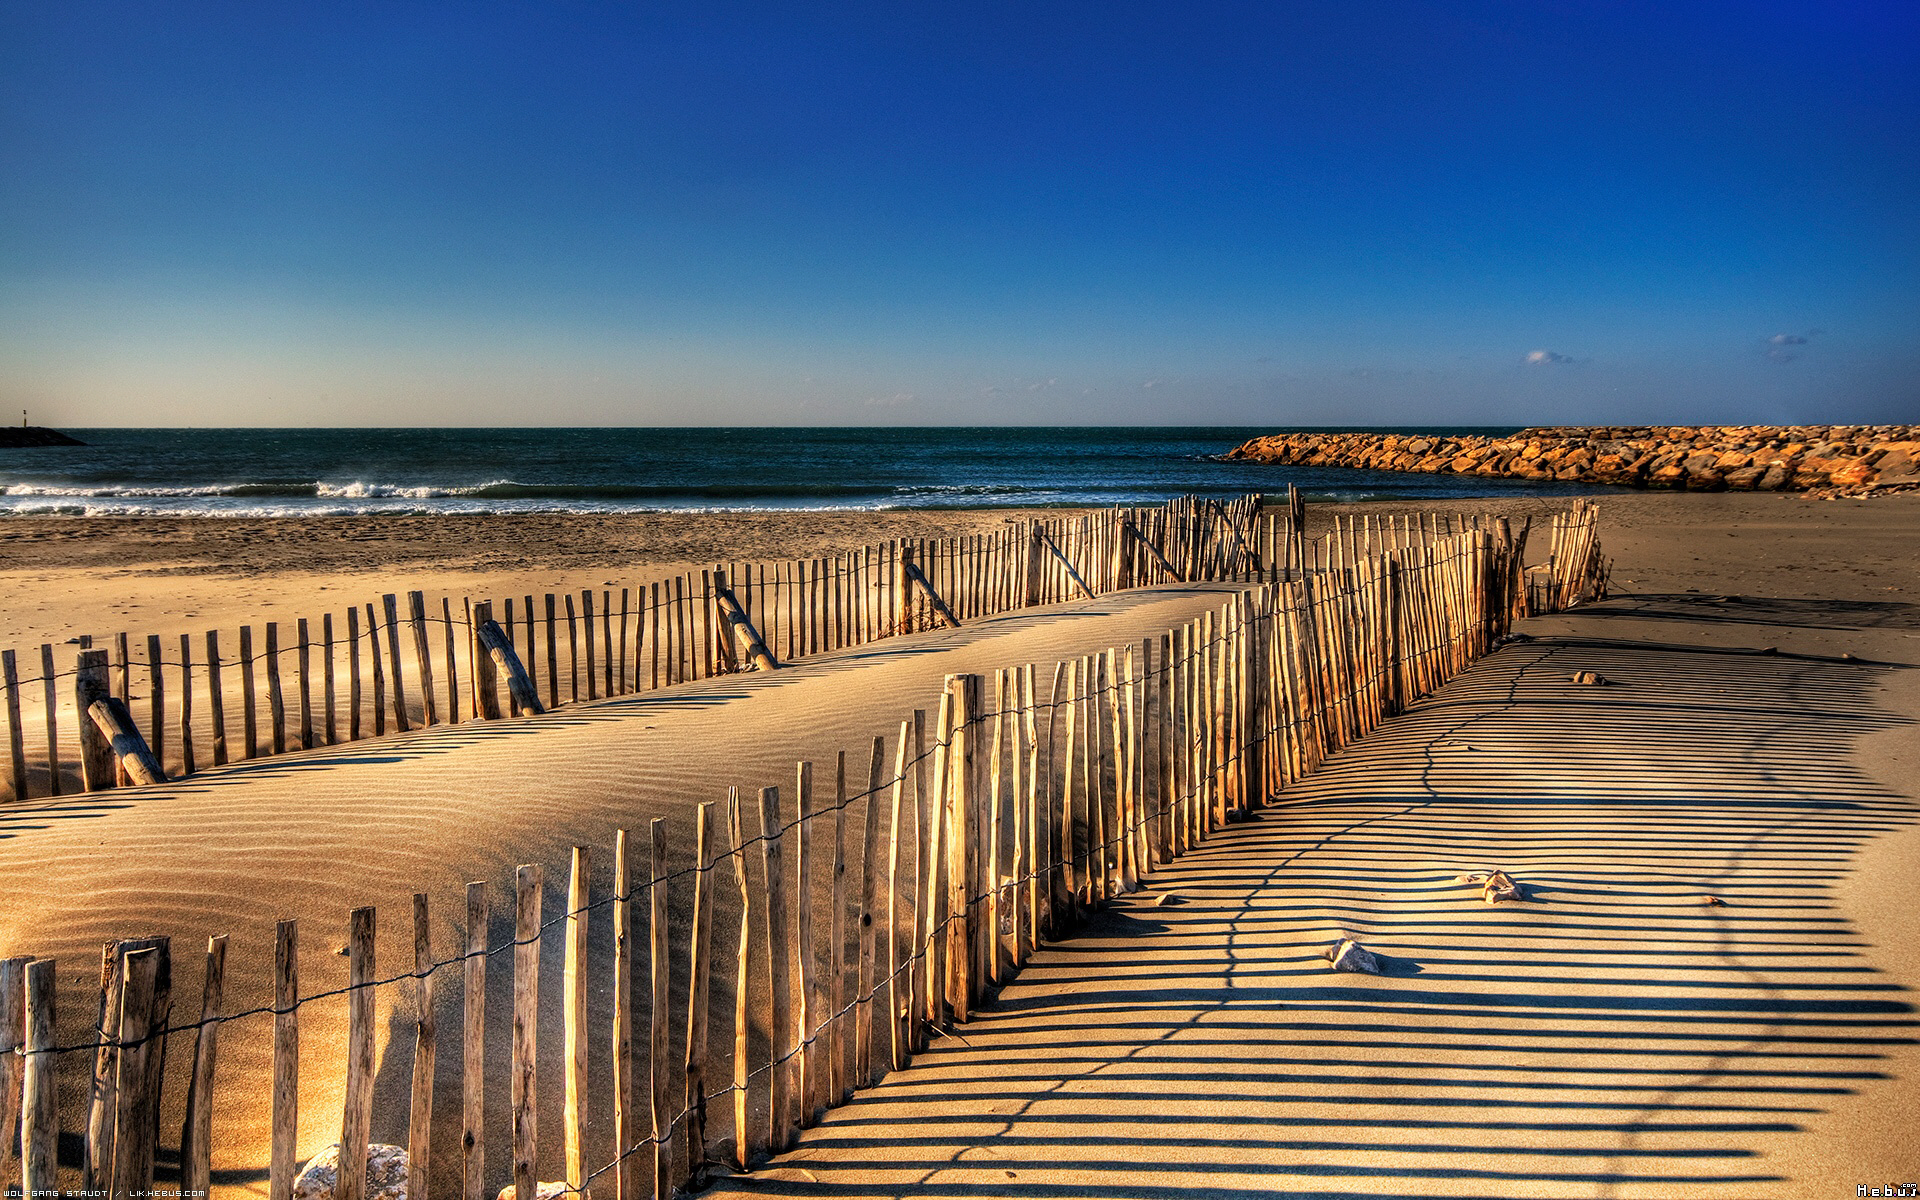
(839,213)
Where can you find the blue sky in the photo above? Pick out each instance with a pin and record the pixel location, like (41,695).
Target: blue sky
(1278,213)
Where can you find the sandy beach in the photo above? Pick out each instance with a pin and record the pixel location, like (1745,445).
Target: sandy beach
(63,576)
(235,848)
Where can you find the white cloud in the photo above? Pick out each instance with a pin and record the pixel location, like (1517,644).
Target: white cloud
(1784,347)
(1546,358)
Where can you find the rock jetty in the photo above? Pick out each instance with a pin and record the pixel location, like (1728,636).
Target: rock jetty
(12,436)
(1838,459)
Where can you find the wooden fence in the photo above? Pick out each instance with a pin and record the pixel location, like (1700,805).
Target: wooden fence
(405,661)
(832,932)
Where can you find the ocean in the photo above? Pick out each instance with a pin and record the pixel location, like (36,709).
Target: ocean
(343,472)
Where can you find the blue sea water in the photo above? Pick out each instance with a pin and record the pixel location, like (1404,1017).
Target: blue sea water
(316,472)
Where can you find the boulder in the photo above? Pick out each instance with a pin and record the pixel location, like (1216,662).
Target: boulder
(1897,465)
(386,1174)
(1853,474)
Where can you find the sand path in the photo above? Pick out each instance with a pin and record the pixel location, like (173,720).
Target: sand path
(1613,1037)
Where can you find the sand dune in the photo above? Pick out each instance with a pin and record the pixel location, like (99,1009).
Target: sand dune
(312,835)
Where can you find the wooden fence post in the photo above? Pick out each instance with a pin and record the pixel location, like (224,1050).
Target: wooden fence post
(623,1126)
(134,1115)
(276,697)
(329,701)
(39,1113)
(699,971)
(659,982)
(835,1076)
(783,1047)
(866,931)
(932,594)
(958,799)
(805,951)
(356,1121)
(50,693)
(529,883)
(401,721)
(96,750)
(425,1053)
(196,1130)
(453,672)
(900,1005)
(744,1144)
(473,1038)
(286,1060)
(751,646)
(13,1062)
(573,1012)
(16,733)
(107,717)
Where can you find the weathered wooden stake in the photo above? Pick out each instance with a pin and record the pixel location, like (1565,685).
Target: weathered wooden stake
(356,1121)
(286,1060)
(473,1039)
(39,1111)
(745,1145)
(783,1043)
(276,697)
(425,1051)
(699,972)
(401,720)
(529,883)
(624,1131)
(573,991)
(196,1130)
(659,983)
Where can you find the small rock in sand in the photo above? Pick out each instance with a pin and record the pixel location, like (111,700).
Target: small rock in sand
(386,1174)
(1349,955)
(1496,886)
(1587,677)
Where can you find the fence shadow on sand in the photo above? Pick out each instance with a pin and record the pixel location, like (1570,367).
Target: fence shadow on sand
(1673,1009)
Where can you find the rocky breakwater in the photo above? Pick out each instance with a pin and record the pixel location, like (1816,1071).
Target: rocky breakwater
(1834,459)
